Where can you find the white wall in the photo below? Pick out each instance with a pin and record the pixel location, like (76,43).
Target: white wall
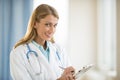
(82,32)
(83,47)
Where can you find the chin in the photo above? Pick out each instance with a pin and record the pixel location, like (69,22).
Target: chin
(48,39)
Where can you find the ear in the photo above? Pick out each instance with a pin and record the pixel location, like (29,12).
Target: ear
(35,25)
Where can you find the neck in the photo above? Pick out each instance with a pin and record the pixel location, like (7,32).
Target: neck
(41,42)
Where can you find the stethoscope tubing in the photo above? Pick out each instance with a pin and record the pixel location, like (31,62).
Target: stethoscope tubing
(35,53)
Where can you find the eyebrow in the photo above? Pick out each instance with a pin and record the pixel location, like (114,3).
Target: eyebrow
(50,22)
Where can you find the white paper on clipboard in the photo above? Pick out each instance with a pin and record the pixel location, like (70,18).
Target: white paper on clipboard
(82,71)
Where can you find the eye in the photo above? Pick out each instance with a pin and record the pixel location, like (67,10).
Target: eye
(50,25)
(47,24)
(55,25)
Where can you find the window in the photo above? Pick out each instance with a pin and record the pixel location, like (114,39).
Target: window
(107,35)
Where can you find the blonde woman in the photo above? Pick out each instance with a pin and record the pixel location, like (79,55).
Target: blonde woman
(36,56)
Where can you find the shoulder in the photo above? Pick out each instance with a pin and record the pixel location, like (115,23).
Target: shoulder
(20,49)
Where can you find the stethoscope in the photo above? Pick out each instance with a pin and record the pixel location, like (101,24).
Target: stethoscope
(29,52)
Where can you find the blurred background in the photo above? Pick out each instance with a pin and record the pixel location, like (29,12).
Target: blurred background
(88,30)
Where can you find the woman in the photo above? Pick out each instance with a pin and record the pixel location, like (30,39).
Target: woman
(36,56)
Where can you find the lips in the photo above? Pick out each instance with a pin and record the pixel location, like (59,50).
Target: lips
(49,35)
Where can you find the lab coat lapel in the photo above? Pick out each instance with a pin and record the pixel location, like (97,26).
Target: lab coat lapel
(53,60)
(44,61)
(52,56)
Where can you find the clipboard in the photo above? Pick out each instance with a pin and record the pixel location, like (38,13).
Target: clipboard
(82,71)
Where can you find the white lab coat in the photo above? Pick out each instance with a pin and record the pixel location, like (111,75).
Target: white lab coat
(21,69)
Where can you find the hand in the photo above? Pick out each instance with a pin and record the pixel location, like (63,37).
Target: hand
(68,74)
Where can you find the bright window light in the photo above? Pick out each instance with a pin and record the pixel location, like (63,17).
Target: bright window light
(107,35)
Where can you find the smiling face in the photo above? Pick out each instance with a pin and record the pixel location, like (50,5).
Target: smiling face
(45,28)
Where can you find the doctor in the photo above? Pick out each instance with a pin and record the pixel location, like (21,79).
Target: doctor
(36,56)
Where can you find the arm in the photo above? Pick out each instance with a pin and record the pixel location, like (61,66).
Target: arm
(63,56)
(17,66)
(68,73)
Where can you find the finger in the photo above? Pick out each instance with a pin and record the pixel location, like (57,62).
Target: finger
(67,77)
(66,71)
(71,77)
(69,70)
(72,72)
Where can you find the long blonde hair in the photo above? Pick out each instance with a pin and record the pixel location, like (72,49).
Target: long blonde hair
(39,13)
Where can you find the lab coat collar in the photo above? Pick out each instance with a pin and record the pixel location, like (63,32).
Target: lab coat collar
(38,45)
